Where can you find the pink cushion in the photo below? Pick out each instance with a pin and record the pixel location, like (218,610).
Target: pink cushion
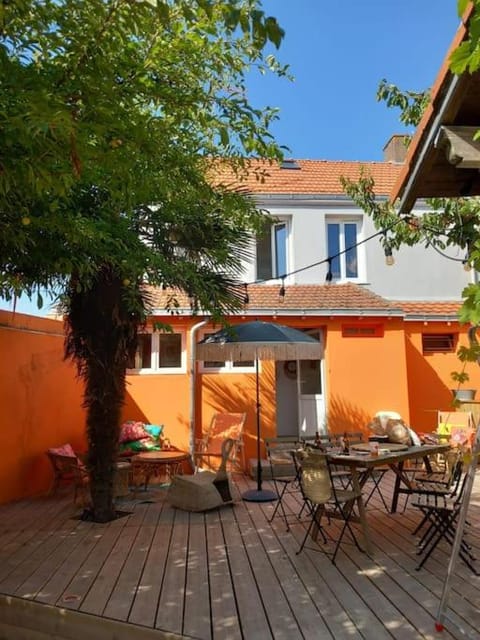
(131,431)
(64,450)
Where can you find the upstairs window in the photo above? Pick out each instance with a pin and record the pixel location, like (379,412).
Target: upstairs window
(272,252)
(342,238)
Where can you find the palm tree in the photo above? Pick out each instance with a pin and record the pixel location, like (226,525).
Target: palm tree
(101,335)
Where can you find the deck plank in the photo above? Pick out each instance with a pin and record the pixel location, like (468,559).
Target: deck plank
(230,574)
(196,621)
(225,621)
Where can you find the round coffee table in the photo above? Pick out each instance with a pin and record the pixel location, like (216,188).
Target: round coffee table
(157,463)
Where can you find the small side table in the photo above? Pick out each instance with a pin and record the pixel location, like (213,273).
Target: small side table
(156,463)
(121,481)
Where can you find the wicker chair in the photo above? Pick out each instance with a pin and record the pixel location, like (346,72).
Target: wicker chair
(203,490)
(68,468)
(322,497)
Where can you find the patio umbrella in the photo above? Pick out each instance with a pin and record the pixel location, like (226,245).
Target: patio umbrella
(258,340)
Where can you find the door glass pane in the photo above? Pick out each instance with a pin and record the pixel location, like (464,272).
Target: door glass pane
(310,378)
(333,239)
(351,262)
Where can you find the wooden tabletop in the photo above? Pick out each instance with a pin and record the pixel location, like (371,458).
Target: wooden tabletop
(165,456)
(356,458)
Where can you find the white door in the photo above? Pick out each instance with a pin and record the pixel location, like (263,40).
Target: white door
(311,394)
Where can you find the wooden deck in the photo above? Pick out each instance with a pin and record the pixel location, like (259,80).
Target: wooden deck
(226,574)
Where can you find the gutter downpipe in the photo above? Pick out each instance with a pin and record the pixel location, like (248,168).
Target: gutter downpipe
(193,379)
(431,139)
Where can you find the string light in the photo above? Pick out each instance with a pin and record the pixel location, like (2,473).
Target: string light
(281,293)
(389,259)
(246,297)
(329,276)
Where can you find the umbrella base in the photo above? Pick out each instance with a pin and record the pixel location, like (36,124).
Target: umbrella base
(262,495)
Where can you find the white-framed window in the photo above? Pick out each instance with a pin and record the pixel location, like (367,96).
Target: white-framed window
(159,352)
(271,251)
(228,366)
(343,235)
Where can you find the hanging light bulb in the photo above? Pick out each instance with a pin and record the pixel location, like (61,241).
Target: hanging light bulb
(246,297)
(329,276)
(389,259)
(281,293)
(466,264)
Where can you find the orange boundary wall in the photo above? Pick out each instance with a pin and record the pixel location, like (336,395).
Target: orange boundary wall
(41,397)
(40,403)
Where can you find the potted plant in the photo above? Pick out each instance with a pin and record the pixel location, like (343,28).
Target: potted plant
(465,355)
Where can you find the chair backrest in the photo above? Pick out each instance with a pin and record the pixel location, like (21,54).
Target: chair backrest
(315,476)
(222,427)
(227,446)
(63,465)
(279,449)
(457,426)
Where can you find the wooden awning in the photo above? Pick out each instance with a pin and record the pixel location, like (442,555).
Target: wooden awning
(443,160)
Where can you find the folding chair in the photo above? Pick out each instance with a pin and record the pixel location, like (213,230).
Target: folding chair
(442,513)
(283,471)
(208,448)
(322,497)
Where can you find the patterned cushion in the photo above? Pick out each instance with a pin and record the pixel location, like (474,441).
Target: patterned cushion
(64,450)
(131,431)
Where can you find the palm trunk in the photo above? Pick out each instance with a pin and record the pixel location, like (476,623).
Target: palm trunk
(101,333)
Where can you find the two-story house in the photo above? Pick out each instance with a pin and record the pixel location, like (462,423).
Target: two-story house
(389,332)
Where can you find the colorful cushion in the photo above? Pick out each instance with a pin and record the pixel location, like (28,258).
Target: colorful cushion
(131,431)
(154,431)
(64,450)
(131,448)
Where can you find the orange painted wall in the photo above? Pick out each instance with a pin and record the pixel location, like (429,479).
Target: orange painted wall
(429,378)
(41,396)
(40,403)
(364,374)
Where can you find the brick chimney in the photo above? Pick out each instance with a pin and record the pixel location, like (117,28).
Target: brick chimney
(395,150)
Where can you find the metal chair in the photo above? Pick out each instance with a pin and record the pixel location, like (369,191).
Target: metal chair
(441,512)
(283,471)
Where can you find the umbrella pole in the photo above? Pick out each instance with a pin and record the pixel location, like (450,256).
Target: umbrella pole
(258,494)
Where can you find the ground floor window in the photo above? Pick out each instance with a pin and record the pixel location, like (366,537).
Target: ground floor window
(159,353)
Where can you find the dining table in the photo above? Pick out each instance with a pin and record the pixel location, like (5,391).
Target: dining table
(361,462)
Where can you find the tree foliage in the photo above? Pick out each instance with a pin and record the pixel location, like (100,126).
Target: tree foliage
(112,112)
(448,222)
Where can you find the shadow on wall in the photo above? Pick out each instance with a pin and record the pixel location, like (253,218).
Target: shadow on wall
(224,395)
(131,410)
(427,392)
(344,416)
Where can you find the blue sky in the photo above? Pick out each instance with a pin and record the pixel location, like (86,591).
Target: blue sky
(339,51)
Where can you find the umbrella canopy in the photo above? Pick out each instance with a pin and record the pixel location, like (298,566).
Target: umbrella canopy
(259,340)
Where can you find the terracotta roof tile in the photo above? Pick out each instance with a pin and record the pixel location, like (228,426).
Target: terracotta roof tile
(321,297)
(325,299)
(314,177)
(429,308)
